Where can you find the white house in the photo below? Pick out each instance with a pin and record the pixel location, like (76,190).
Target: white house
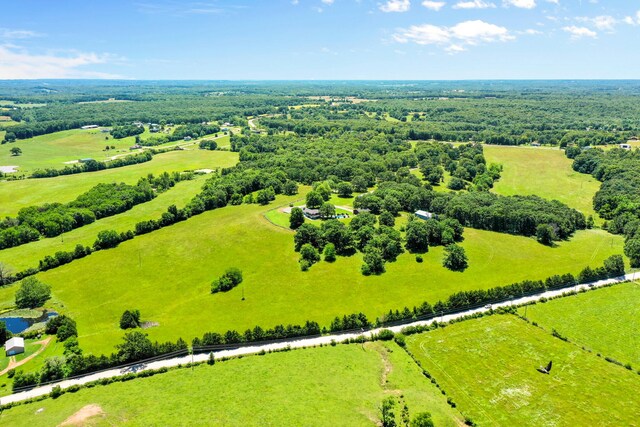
(14,346)
(625,146)
(424,215)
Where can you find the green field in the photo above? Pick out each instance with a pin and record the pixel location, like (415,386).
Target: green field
(544,172)
(341,385)
(604,320)
(26,256)
(167,275)
(54,149)
(15,195)
(488,367)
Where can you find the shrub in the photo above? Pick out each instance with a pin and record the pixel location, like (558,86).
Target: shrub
(385,335)
(130,319)
(229,280)
(329,252)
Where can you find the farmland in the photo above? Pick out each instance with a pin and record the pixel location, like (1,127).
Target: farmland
(175,293)
(607,321)
(488,367)
(545,172)
(218,258)
(15,195)
(339,385)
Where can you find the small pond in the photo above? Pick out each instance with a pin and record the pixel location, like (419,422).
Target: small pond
(19,324)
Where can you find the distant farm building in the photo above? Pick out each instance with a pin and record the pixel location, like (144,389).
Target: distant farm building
(187,138)
(87,160)
(14,346)
(625,146)
(424,215)
(135,147)
(89,127)
(361,211)
(535,144)
(311,213)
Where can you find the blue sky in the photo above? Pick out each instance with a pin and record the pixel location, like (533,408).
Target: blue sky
(320,39)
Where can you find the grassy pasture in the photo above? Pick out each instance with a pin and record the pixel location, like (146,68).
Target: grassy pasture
(605,320)
(25,256)
(544,172)
(15,195)
(167,275)
(341,385)
(54,149)
(488,367)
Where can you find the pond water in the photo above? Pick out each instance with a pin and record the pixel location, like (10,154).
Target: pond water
(19,324)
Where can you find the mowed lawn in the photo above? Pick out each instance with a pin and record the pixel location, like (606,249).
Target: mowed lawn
(167,276)
(343,385)
(26,256)
(544,172)
(488,367)
(605,320)
(15,195)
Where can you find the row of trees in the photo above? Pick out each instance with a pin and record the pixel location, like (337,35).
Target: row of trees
(93,165)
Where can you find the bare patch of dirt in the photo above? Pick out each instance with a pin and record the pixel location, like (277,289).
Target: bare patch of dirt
(83,415)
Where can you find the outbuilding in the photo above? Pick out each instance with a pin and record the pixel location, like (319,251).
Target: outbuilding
(424,215)
(625,146)
(14,346)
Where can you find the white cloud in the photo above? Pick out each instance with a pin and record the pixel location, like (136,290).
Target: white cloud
(433,5)
(631,20)
(473,32)
(603,22)
(473,4)
(396,6)
(531,32)
(20,64)
(553,1)
(327,2)
(579,32)
(7,33)
(456,38)
(524,4)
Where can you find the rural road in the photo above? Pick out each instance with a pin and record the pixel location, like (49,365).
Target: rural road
(294,343)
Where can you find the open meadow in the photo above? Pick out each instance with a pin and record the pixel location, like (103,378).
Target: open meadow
(606,320)
(342,385)
(488,367)
(544,172)
(167,275)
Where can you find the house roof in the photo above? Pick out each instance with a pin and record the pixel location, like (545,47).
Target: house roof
(424,213)
(14,342)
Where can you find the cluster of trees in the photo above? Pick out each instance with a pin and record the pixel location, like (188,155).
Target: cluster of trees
(50,220)
(618,199)
(63,327)
(465,163)
(130,319)
(231,278)
(208,144)
(480,209)
(93,165)
(32,293)
(197,130)
(119,132)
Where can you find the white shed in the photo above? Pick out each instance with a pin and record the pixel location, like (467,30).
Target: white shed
(14,346)
(424,215)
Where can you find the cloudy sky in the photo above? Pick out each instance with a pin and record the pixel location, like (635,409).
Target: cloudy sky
(320,39)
